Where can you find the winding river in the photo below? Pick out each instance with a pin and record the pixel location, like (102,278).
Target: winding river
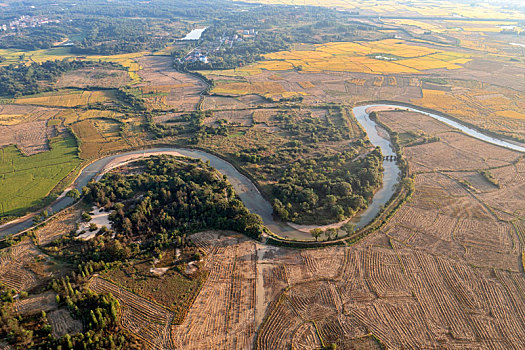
(249,193)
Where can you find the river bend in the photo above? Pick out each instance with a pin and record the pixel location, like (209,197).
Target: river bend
(249,193)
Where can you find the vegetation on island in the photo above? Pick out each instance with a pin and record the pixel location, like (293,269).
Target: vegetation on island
(327,189)
(169,197)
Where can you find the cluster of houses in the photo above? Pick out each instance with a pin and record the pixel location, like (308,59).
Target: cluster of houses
(201,53)
(27,22)
(196,55)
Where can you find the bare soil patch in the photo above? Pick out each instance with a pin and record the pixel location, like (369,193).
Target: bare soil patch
(30,138)
(35,304)
(90,77)
(158,71)
(62,323)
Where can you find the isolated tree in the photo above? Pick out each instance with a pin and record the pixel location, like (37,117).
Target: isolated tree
(74,193)
(316,233)
(330,233)
(86,217)
(349,227)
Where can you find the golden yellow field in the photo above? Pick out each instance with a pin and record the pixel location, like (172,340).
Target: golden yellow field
(239,72)
(12,119)
(306,84)
(164,52)
(511,114)
(388,56)
(73,99)
(453,26)
(492,111)
(266,89)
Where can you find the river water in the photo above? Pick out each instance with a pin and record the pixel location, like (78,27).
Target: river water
(249,193)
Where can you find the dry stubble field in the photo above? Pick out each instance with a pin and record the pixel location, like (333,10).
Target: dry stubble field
(445,272)
(178,90)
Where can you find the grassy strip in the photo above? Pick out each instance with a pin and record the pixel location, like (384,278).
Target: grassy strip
(28,182)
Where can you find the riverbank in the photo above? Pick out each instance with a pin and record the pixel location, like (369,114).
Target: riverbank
(253,199)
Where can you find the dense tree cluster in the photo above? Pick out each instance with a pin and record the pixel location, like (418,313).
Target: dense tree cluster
(314,129)
(327,189)
(33,39)
(170,197)
(10,327)
(17,80)
(114,36)
(104,27)
(98,314)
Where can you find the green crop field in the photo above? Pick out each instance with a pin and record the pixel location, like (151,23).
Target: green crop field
(26,180)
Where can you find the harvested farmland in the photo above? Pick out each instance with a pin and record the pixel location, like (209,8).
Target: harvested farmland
(30,138)
(270,90)
(98,137)
(170,289)
(387,56)
(147,320)
(168,88)
(89,77)
(72,99)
